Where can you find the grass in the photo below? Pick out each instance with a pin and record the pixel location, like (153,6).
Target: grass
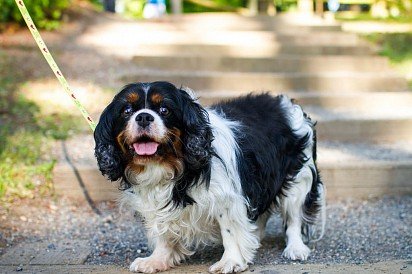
(25,137)
(397,47)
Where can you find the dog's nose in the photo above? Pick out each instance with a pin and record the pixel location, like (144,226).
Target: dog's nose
(144,119)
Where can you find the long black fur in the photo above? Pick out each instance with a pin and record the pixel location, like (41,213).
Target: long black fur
(197,140)
(271,153)
(109,158)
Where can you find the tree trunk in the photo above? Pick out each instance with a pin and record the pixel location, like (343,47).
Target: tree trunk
(271,10)
(253,7)
(319,7)
(176,6)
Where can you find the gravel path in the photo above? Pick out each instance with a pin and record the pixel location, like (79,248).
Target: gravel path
(357,232)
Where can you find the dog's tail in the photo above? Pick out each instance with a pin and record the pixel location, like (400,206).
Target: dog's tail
(322,211)
(314,211)
(314,208)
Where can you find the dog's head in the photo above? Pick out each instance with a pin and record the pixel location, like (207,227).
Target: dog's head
(153,123)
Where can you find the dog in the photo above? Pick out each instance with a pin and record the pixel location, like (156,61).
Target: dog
(201,176)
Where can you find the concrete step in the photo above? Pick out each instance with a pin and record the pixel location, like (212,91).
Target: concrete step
(282,27)
(230,21)
(358,128)
(286,63)
(233,50)
(348,170)
(208,37)
(227,22)
(281,82)
(365,170)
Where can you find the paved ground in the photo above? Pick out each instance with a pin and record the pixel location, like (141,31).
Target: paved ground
(56,231)
(382,267)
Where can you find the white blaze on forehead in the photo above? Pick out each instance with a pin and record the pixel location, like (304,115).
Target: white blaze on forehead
(156,129)
(146,88)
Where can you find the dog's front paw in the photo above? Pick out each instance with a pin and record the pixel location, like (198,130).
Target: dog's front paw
(149,265)
(296,251)
(228,266)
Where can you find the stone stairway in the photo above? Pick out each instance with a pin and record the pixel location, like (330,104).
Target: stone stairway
(363,109)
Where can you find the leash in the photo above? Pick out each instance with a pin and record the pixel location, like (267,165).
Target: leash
(49,58)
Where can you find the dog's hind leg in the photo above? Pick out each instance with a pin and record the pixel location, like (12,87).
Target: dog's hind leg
(292,212)
(261,224)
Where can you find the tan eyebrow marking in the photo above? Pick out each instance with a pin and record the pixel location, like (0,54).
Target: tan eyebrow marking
(132,97)
(157,98)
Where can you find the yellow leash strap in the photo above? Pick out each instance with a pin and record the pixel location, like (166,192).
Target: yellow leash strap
(52,63)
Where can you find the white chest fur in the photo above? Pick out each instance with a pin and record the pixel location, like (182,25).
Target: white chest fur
(192,225)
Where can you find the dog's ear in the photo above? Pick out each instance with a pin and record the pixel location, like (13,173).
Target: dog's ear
(108,155)
(197,136)
(197,150)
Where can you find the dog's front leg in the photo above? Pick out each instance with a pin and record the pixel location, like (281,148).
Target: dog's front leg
(163,258)
(239,240)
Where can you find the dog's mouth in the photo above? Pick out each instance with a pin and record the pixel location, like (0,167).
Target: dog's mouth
(144,146)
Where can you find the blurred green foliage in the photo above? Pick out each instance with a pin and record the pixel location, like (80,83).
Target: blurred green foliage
(46,14)
(134,8)
(25,137)
(397,47)
(189,7)
(286,5)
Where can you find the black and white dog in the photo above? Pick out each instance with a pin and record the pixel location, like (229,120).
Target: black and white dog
(205,175)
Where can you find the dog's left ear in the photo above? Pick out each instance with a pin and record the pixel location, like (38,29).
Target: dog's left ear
(108,155)
(197,136)
(197,150)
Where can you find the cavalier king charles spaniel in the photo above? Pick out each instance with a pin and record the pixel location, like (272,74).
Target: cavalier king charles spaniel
(200,176)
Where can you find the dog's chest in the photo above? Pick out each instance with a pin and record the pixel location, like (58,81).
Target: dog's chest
(193,225)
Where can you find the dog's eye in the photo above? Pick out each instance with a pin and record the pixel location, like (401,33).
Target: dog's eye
(163,111)
(128,110)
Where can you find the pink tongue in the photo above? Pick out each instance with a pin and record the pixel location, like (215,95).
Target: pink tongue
(145,148)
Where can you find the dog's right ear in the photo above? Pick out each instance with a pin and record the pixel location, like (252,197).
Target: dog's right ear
(108,155)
